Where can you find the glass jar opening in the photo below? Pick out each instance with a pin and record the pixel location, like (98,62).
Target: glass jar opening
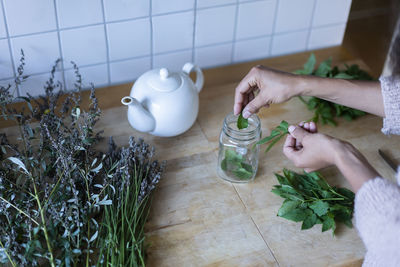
(253,130)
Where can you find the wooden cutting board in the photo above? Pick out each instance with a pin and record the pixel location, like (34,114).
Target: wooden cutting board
(197,219)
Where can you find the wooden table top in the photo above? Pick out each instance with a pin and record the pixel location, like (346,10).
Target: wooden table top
(198,219)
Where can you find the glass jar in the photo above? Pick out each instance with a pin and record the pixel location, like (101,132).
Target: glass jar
(238,150)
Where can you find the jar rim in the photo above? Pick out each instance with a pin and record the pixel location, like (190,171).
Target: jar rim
(243,133)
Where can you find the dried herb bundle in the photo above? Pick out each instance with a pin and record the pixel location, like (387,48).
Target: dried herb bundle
(311,200)
(324,110)
(57,190)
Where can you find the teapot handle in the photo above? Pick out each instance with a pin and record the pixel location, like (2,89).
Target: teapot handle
(188,68)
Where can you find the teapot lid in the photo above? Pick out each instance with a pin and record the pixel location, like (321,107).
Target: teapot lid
(163,80)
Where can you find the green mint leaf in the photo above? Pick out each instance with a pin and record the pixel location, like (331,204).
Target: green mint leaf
(328,223)
(309,65)
(287,206)
(276,134)
(309,222)
(247,167)
(320,207)
(324,68)
(343,75)
(242,123)
(296,215)
(232,156)
(224,164)
(243,174)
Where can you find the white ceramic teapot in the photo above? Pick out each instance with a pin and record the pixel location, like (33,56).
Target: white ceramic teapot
(164,103)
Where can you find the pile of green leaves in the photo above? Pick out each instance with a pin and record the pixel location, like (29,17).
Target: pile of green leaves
(311,200)
(324,110)
(242,123)
(276,134)
(235,163)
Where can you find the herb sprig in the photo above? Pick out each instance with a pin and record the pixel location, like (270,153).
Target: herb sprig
(324,110)
(235,163)
(311,200)
(242,123)
(276,134)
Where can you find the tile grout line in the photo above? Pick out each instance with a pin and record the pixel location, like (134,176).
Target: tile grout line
(10,50)
(107,43)
(151,34)
(273,28)
(235,31)
(194,29)
(310,27)
(59,44)
(258,229)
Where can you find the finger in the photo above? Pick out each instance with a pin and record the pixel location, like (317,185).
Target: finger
(307,126)
(241,90)
(288,146)
(313,127)
(253,106)
(297,132)
(251,96)
(308,170)
(301,124)
(298,143)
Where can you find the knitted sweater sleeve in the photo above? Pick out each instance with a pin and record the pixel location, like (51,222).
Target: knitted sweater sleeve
(391,99)
(377,217)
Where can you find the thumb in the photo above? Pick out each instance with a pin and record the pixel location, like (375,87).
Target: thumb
(253,106)
(297,132)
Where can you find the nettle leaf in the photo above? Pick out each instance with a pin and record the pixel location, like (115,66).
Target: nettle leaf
(287,206)
(242,123)
(324,68)
(320,207)
(276,134)
(309,65)
(325,111)
(309,222)
(309,198)
(328,223)
(242,173)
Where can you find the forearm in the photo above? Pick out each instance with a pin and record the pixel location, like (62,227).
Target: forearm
(362,95)
(353,165)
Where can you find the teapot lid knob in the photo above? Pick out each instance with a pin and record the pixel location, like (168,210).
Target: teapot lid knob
(164,73)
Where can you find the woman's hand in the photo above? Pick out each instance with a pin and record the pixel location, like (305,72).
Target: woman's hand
(311,151)
(308,149)
(273,86)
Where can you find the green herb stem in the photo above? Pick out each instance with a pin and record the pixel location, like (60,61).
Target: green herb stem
(8,255)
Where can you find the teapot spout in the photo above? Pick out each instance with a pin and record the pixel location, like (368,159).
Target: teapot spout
(139,117)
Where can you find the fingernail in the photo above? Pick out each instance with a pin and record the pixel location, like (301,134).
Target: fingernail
(306,125)
(246,114)
(291,128)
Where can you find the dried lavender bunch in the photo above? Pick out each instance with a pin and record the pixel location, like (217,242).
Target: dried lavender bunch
(55,187)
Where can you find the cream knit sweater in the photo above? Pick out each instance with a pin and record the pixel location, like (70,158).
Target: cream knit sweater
(377,203)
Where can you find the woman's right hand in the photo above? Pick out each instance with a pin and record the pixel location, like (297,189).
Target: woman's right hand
(273,86)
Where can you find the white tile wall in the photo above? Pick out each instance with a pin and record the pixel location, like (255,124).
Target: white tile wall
(215,25)
(129,39)
(6,70)
(251,49)
(27,16)
(114,41)
(289,42)
(84,45)
(3,33)
(173,32)
(125,9)
(255,19)
(294,15)
(73,13)
(330,12)
(326,36)
(41,51)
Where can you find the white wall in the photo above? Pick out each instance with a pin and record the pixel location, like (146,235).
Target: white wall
(114,41)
